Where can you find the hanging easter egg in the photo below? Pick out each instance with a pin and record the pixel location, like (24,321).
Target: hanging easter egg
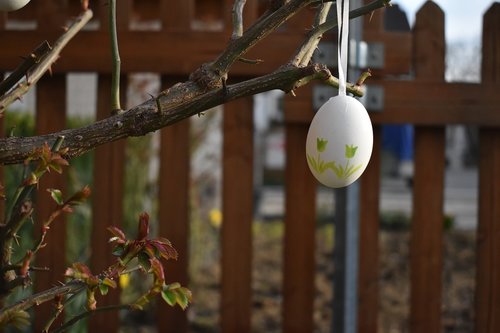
(11,5)
(339,142)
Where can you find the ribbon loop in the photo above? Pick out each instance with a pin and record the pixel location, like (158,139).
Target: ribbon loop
(343,28)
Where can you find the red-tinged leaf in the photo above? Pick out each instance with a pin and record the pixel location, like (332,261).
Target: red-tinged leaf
(165,250)
(80,196)
(150,250)
(31,180)
(56,195)
(82,268)
(143,231)
(118,233)
(157,269)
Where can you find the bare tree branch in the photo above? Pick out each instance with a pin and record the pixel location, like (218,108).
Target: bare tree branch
(45,64)
(306,50)
(238,18)
(305,53)
(72,287)
(203,91)
(24,68)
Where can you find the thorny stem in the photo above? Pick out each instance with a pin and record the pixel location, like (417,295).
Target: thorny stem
(116,62)
(64,327)
(23,69)
(16,217)
(256,33)
(186,99)
(304,54)
(45,64)
(72,287)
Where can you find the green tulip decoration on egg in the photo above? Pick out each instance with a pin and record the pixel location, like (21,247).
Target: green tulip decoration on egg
(11,5)
(340,139)
(339,142)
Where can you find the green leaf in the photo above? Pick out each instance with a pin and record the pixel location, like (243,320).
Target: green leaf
(119,250)
(103,289)
(56,195)
(144,261)
(169,297)
(183,296)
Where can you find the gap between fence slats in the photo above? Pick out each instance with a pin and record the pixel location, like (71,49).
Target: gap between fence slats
(300,227)
(487,300)
(237,211)
(50,117)
(174,213)
(107,205)
(368,286)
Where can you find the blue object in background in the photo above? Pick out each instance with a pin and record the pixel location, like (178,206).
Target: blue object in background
(398,139)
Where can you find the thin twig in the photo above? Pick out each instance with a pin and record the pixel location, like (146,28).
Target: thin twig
(315,34)
(256,33)
(238,18)
(42,297)
(24,68)
(116,62)
(64,327)
(305,54)
(45,65)
(327,78)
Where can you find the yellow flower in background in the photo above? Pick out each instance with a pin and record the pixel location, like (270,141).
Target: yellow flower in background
(124,281)
(215,216)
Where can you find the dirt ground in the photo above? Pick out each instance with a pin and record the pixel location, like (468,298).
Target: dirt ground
(458,279)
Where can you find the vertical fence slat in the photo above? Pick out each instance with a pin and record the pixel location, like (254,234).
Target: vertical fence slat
(176,15)
(107,206)
(368,287)
(50,117)
(300,223)
(237,209)
(487,306)
(426,244)
(173,214)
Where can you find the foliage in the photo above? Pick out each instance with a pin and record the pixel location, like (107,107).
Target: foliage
(80,279)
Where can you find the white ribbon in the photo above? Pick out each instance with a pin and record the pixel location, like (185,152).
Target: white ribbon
(343,27)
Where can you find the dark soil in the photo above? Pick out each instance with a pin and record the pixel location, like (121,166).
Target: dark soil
(458,283)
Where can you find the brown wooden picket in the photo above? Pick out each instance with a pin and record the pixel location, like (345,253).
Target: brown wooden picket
(488,233)
(176,49)
(426,243)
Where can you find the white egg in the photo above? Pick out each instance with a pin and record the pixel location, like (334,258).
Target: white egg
(11,5)
(339,142)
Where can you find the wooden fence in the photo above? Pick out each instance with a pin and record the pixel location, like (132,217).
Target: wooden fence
(177,47)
